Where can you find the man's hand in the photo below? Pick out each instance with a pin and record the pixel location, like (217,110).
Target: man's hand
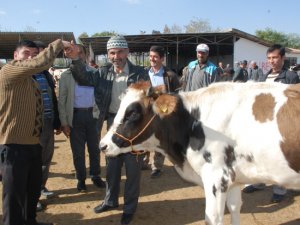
(66,130)
(71,50)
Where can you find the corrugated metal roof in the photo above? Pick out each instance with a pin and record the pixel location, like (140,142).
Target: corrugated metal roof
(219,42)
(9,40)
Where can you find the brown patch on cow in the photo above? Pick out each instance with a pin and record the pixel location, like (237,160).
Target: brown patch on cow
(141,85)
(217,89)
(288,119)
(165,105)
(263,107)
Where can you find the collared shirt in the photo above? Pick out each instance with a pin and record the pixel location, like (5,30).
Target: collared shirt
(45,93)
(118,89)
(83,96)
(157,78)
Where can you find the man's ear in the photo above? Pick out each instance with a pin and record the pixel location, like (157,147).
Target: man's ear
(15,55)
(165,105)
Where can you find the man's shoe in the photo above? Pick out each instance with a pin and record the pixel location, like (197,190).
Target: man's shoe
(251,189)
(98,182)
(39,207)
(81,187)
(45,223)
(155,173)
(48,194)
(126,218)
(276,198)
(103,208)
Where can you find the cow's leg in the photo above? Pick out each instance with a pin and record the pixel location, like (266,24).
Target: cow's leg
(234,203)
(214,197)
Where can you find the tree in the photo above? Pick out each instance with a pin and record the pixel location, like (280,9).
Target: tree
(167,30)
(293,40)
(104,33)
(176,29)
(197,25)
(272,36)
(82,35)
(156,32)
(29,29)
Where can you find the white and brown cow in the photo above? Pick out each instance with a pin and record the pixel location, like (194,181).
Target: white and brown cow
(219,137)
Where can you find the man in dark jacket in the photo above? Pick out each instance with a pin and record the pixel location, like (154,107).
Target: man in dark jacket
(277,73)
(241,73)
(160,75)
(110,84)
(51,123)
(255,73)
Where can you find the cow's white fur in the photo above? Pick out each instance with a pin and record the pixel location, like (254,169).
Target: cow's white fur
(227,119)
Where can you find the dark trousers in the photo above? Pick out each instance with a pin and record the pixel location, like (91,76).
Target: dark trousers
(84,131)
(133,165)
(47,143)
(22,178)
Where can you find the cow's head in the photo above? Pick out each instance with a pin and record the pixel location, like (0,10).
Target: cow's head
(136,123)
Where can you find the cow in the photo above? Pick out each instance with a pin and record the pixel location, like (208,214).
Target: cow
(219,137)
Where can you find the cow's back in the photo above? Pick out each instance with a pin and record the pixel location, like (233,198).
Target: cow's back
(261,120)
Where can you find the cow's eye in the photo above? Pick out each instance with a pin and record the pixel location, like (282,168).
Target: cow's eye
(132,116)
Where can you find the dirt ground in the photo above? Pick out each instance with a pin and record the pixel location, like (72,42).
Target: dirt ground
(167,200)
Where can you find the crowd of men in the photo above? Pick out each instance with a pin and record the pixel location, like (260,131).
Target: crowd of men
(30,115)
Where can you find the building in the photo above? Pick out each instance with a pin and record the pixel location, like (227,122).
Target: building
(226,46)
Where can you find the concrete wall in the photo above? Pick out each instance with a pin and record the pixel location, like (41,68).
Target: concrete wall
(249,50)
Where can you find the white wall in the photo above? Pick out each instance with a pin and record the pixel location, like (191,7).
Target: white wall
(249,50)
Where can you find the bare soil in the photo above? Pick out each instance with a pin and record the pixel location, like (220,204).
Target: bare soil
(167,200)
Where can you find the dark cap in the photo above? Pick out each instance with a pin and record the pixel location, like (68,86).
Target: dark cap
(244,62)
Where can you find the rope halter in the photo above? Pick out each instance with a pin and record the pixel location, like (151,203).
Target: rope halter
(136,152)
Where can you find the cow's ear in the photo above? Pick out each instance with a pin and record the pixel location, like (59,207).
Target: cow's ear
(156,92)
(164,105)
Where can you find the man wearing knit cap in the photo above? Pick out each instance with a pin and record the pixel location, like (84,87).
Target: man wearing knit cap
(111,82)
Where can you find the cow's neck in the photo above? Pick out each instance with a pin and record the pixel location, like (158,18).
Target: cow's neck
(179,131)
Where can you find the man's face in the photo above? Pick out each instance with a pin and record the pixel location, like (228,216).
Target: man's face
(23,53)
(202,57)
(155,60)
(275,60)
(118,57)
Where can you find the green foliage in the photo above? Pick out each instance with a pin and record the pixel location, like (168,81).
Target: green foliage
(82,35)
(104,33)
(294,40)
(272,36)
(276,37)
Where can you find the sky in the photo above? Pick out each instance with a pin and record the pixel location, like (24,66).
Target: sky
(129,17)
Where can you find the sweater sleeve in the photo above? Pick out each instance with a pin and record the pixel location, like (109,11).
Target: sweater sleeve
(83,75)
(18,70)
